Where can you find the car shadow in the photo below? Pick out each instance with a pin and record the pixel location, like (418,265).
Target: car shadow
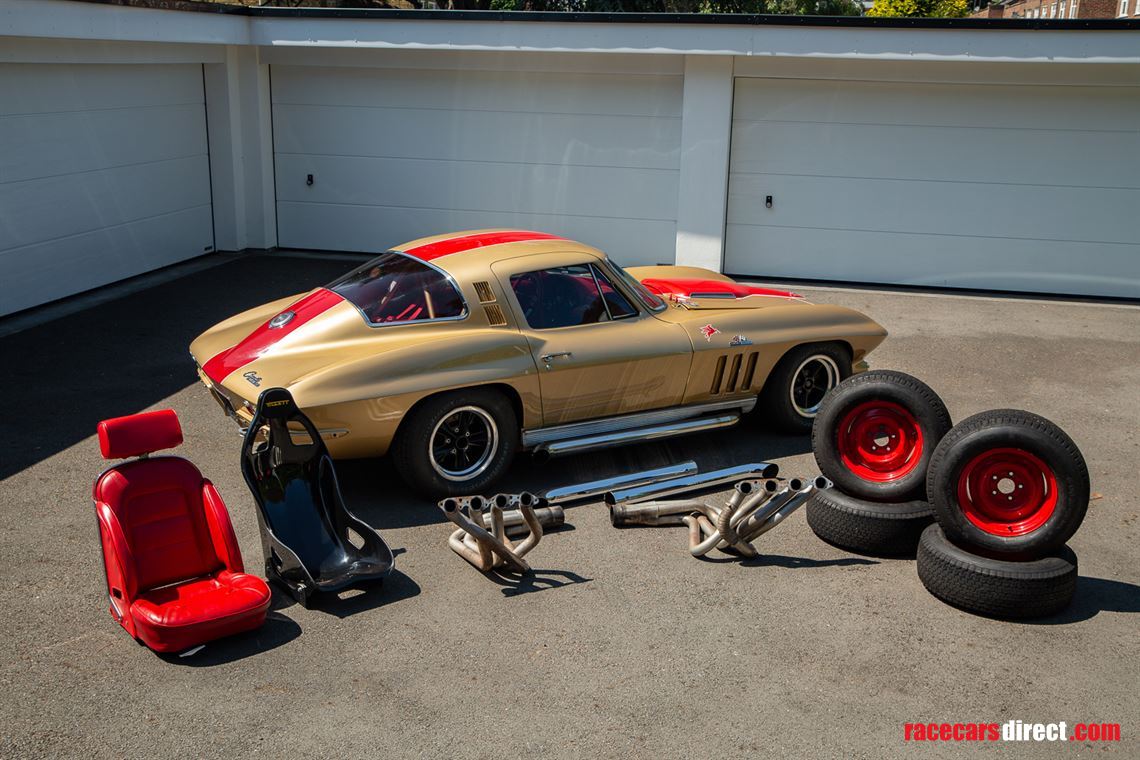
(1093,596)
(375,492)
(122,356)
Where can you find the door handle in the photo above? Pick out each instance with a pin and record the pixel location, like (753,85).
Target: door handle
(546,358)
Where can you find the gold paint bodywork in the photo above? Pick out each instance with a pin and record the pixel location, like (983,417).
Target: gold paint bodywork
(358,381)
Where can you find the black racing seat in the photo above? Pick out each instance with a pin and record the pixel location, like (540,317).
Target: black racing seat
(305,525)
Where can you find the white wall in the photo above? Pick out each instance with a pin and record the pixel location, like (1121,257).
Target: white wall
(678,209)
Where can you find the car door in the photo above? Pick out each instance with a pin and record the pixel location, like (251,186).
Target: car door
(598,353)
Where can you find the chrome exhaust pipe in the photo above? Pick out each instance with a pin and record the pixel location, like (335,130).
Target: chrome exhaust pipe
(706,481)
(515,525)
(636,435)
(654,512)
(583,491)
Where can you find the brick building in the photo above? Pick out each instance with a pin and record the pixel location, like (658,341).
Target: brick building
(1057,9)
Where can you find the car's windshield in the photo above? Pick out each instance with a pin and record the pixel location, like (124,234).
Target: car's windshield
(651,300)
(394,287)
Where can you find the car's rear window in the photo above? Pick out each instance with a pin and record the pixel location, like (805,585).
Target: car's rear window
(394,287)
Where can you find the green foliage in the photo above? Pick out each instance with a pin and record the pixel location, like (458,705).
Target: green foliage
(920,8)
(801,7)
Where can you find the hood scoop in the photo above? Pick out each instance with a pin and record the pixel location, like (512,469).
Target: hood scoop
(715,294)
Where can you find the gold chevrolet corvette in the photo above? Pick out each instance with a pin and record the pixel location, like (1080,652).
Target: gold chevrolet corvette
(455,352)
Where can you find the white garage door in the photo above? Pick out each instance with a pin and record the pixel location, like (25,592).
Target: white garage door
(104,174)
(399,154)
(1026,188)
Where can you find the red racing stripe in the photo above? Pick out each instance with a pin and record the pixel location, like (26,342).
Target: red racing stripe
(478,240)
(261,339)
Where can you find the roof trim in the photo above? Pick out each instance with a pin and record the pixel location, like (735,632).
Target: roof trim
(700,19)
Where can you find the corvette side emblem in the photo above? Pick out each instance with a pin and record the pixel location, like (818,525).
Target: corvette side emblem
(708,331)
(253,379)
(739,340)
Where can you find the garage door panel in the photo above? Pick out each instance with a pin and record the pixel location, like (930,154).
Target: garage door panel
(69,143)
(104,174)
(1031,188)
(472,90)
(44,209)
(930,260)
(46,88)
(921,103)
(1095,159)
(368,228)
(635,142)
(398,154)
(940,208)
(526,188)
(47,271)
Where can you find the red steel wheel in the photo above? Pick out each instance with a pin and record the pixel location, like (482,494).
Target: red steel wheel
(874,435)
(1007,492)
(1008,482)
(880,441)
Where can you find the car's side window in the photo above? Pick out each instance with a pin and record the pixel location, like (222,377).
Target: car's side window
(560,297)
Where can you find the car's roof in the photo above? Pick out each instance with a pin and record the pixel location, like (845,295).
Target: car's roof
(484,247)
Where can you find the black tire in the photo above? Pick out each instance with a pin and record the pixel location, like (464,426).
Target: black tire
(880,409)
(868,527)
(975,450)
(793,376)
(998,588)
(410,450)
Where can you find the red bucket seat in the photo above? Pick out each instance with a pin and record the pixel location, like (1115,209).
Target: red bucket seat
(174,570)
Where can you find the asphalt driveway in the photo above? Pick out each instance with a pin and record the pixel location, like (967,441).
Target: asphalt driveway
(621,644)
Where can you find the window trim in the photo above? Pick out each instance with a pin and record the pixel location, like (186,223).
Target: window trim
(594,271)
(464,314)
(620,284)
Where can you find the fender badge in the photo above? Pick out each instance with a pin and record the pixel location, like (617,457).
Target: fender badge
(739,340)
(253,379)
(281,320)
(708,331)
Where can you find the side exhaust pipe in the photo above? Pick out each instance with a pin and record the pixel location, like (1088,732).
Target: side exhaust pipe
(706,481)
(583,491)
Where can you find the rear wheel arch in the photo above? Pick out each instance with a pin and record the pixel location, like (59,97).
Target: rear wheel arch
(508,391)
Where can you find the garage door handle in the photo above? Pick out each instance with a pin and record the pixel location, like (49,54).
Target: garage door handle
(546,358)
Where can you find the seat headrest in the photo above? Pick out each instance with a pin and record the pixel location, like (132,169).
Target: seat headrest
(137,434)
(276,404)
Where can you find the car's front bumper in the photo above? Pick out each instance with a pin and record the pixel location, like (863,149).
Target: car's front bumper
(236,408)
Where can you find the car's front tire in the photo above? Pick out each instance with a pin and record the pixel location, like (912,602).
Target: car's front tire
(457,443)
(799,381)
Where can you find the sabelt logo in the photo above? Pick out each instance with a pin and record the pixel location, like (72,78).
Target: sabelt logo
(284,402)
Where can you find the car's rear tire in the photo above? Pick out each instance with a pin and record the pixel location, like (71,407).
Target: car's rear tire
(868,527)
(874,435)
(457,443)
(999,588)
(798,383)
